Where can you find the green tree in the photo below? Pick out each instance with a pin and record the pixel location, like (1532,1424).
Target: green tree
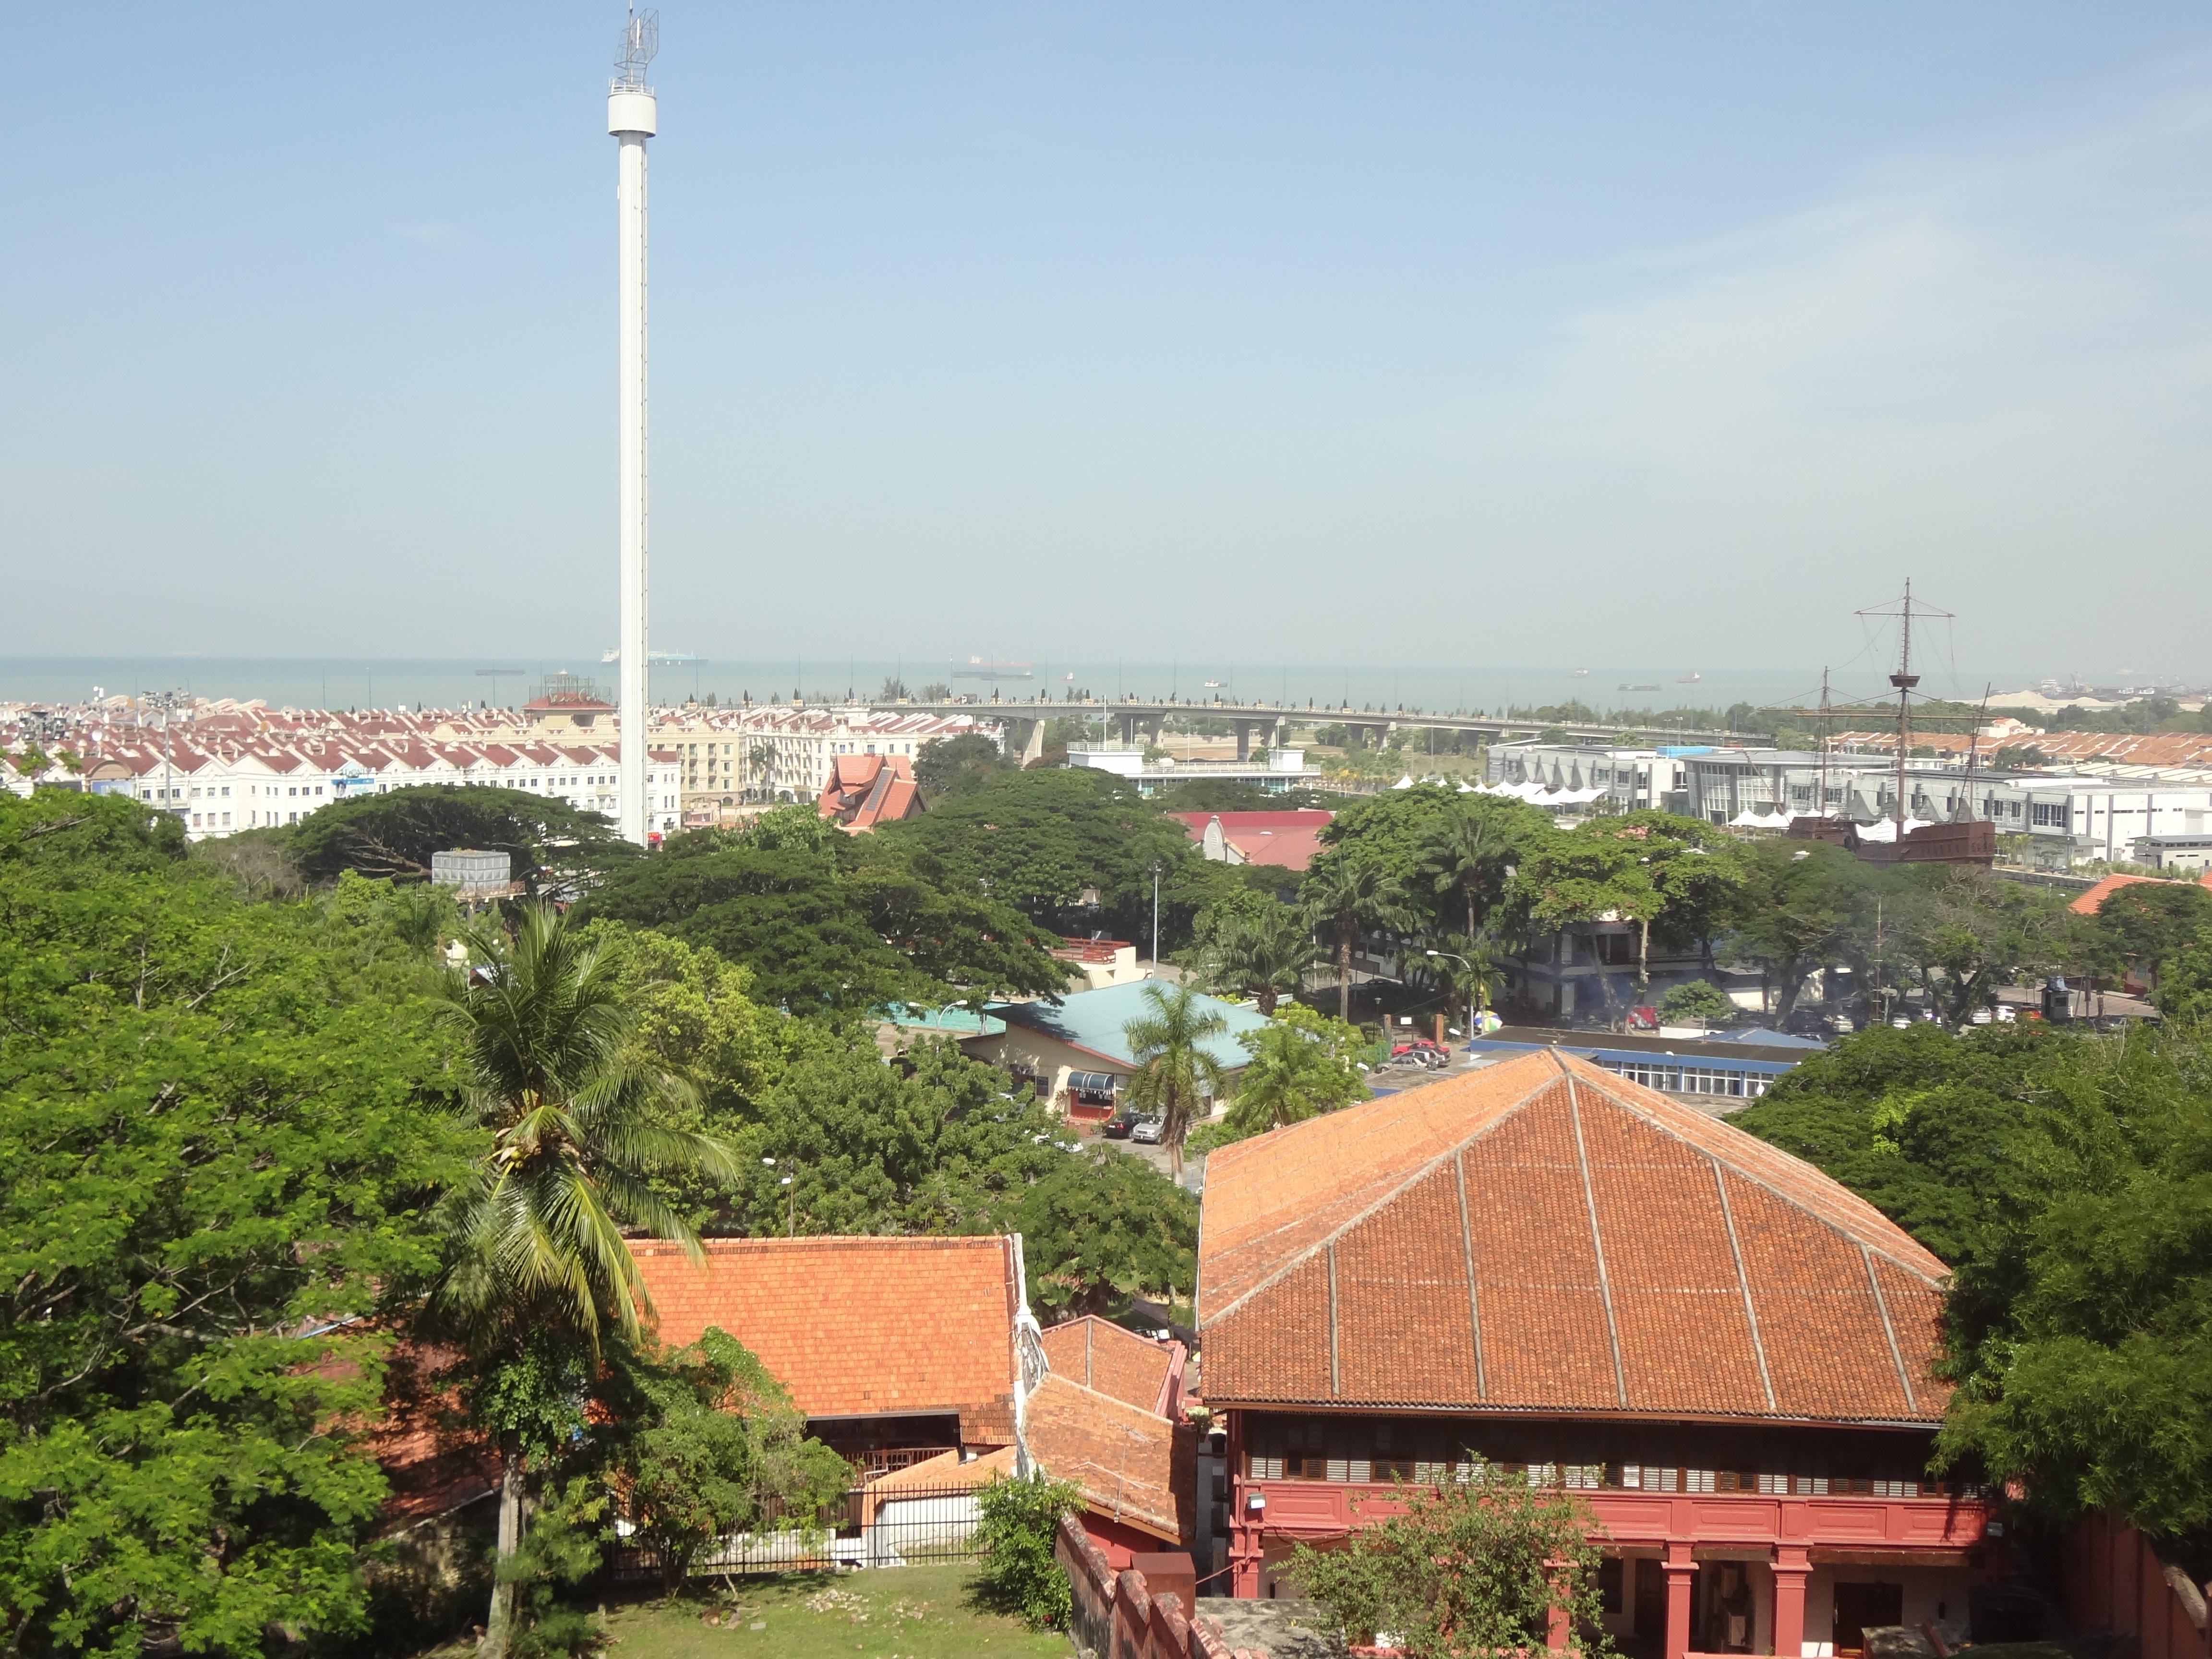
(537,1264)
(1071,848)
(2150,922)
(1465,1569)
(955,766)
(1964,932)
(1176,1072)
(1342,893)
(1020,1572)
(1263,950)
(1803,909)
(556,851)
(1103,1226)
(798,827)
(219,1123)
(844,1144)
(2185,986)
(1304,1063)
(1698,1002)
(706,1443)
(834,932)
(1466,854)
(1590,873)
(2067,1179)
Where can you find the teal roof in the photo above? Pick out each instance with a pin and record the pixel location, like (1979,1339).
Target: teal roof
(959,1021)
(1094,1020)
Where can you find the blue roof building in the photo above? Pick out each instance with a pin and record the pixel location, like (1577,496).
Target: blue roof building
(1077,1050)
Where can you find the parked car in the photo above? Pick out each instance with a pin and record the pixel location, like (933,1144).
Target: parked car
(1147,1131)
(1117,1127)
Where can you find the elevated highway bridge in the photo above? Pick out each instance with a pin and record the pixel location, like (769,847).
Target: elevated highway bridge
(1266,723)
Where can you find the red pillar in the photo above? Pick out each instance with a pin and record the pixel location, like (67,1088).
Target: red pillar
(1245,1549)
(1679,1569)
(1559,1626)
(1792,1569)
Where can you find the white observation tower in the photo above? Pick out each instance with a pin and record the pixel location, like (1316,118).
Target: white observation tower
(631,118)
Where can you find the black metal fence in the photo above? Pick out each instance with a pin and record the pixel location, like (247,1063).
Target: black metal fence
(863,1528)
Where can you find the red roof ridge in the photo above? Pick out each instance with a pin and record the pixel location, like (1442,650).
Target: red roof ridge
(1913,1257)
(1412,1178)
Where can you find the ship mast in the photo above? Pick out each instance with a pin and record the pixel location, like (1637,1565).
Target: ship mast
(1905,679)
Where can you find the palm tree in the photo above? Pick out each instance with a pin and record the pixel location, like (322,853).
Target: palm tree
(1267,954)
(1344,894)
(1174,1071)
(1464,855)
(536,1251)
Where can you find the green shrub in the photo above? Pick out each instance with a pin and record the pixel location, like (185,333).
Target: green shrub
(1700,1002)
(1020,1575)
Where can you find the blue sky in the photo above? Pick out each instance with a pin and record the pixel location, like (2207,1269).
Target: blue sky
(1359,331)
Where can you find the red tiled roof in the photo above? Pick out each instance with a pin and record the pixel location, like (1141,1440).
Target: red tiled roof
(863,791)
(2092,900)
(1133,1465)
(1544,1235)
(856,1327)
(1289,841)
(1102,1355)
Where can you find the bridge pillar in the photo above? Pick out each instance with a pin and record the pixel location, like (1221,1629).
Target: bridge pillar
(1026,738)
(1152,726)
(1128,729)
(1244,740)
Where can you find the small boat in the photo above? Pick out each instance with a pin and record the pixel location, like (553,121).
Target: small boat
(1691,679)
(1213,685)
(1580,674)
(1067,676)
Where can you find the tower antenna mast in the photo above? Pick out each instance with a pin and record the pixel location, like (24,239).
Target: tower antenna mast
(633,117)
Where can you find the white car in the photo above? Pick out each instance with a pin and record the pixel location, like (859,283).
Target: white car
(1147,1131)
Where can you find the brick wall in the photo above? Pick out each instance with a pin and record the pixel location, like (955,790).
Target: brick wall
(1116,1616)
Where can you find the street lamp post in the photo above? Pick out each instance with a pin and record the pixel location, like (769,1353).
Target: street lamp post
(1473,973)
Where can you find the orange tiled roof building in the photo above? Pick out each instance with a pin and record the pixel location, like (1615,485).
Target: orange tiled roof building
(896,1349)
(1543,1265)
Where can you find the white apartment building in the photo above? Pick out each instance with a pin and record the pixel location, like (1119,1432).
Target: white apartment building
(216,787)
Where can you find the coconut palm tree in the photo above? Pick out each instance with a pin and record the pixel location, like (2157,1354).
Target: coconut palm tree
(1464,857)
(1174,1071)
(535,1254)
(1344,894)
(1266,954)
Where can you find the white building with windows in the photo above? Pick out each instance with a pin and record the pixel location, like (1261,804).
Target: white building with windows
(2094,811)
(219,777)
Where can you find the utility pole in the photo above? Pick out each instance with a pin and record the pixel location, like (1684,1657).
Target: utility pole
(1156,915)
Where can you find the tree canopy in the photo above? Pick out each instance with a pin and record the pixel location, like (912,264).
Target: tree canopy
(2067,1178)
(1104,1225)
(833,931)
(1072,849)
(219,1123)
(556,850)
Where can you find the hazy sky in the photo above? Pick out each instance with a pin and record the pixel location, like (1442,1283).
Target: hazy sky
(1457,333)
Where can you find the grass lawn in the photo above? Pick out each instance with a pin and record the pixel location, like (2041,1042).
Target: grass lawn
(912,1613)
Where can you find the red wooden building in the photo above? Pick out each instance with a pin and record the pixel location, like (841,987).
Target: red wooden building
(1543,1265)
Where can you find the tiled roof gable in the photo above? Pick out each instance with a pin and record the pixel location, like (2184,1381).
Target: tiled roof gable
(856,1327)
(1546,1235)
